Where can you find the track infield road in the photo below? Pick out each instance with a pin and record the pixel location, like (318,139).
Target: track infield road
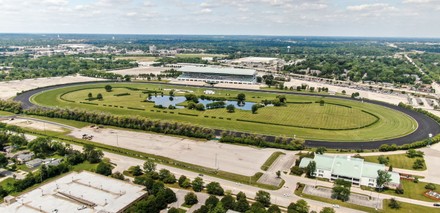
(426,125)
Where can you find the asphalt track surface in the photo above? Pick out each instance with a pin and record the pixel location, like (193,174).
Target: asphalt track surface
(426,125)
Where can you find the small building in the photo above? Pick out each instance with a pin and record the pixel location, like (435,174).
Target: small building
(8,149)
(25,157)
(9,199)
(34,163)
(52,161)
(354,170)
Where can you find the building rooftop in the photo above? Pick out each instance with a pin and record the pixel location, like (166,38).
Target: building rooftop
(217,70)
(74,191)
(348,166)
(254,60)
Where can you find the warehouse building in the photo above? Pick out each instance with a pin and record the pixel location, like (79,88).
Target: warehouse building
(217,75)
(355,170)
(77,192)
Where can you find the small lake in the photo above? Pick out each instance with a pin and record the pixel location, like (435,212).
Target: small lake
(165,101)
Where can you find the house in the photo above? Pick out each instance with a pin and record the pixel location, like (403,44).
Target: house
(25,157)
(34,163)
(52,162)
(354,170)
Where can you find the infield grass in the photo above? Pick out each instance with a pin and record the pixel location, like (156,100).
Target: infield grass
(397,161)
(305,120)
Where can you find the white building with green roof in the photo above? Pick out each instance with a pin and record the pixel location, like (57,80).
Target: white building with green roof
(355,170)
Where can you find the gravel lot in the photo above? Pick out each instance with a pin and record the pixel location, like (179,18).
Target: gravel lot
(237,159)
(34,124)
(9,89)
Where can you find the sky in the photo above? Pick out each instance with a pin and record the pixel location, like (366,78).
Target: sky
(393,18)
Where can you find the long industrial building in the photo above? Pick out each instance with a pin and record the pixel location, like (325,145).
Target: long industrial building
(84,192)
(218,75)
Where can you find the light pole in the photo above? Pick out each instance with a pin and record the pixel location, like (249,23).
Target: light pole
(430,139)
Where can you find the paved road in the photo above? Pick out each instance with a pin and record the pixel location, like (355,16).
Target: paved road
(426,125)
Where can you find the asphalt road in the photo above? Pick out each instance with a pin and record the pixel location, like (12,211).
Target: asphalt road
(426,125)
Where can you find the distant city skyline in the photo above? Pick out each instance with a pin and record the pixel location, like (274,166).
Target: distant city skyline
(364,18)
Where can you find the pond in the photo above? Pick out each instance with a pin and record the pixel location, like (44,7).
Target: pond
(166,101)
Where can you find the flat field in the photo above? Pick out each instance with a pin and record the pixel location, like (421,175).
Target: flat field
(397,161)
(336,120)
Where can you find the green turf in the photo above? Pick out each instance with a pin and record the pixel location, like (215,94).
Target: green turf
(391,123)
(413,190)
(272,158)
(397,161)
(408,208)
(3,113)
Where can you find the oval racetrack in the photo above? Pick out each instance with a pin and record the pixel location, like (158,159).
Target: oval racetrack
(426,125)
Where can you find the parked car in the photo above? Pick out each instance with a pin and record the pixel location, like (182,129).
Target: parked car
(437,204)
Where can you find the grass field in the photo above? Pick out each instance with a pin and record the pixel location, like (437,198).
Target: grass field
(405,207)
(397,161)
(413,190)
(304,120)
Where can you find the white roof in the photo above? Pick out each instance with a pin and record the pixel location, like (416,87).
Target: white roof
(255,60)
(217,70)
(108,194)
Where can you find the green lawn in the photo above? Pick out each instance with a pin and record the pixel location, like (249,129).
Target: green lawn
(272,158)
(413,190)
(397,161)
(405,207)
(408,208)
(302,120)
(3,113)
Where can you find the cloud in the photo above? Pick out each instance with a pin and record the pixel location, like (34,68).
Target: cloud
(205,10)
(371,7)
(419,1)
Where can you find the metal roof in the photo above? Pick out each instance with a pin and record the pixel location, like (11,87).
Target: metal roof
(217,70)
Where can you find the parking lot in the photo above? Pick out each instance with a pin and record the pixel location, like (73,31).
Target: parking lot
(236,159)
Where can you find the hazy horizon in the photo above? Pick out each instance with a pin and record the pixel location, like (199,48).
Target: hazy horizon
(338,18)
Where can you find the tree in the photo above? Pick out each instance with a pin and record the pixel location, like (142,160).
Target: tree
(211,202)
(327,210)
(400,190)
(419,164)
(161,203)
(214,188)
(263,197)
(430,186)
(149,166)
(274,209)
(301,206)
(118,175)
(390,169)
(412,153)
(310,169)
(197,184)
(241,97)
(254,108)
(171,93)
(230,108)
(104,169)
(257,207)
(90,95)
(17,140)
(99,96)
(181,179)
(170,196)
(383,160)
(135,170)
(278,173)
(191,198)
(173,210)
(320,150)
(91,154)
(340,193)
(242,205)
(200,107)
(383,178)
(394,204)
(3,160)
(228,202)
(108,88)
